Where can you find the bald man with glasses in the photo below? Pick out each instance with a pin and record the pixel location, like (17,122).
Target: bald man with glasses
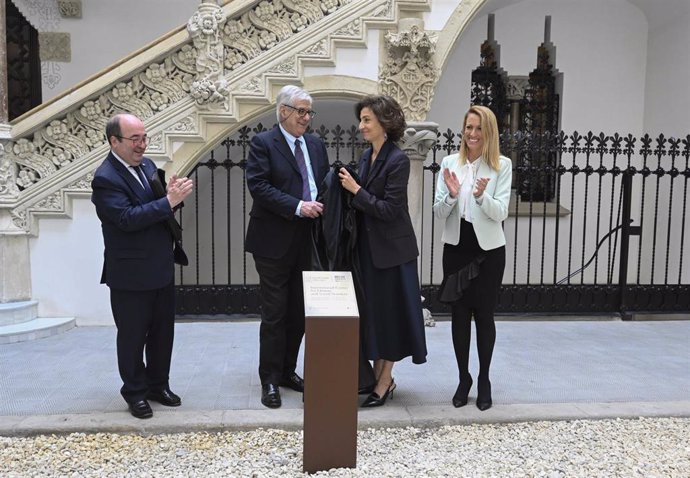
(142,242)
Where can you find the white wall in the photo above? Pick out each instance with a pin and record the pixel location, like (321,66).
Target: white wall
(107,31)
(667,92)
(66,263)
(613,81)
(600,49)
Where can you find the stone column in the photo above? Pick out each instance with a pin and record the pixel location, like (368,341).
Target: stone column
(16,305)
(4,112)
(15,273)
(409,75)
(419,139)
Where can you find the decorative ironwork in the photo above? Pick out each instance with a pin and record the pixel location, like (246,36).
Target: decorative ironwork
(540,116)
(624,197)
(489,80)
(531,106)
(23,63)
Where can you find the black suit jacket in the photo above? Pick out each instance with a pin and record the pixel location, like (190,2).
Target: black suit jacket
(138,243)
(383,200)
(275,183)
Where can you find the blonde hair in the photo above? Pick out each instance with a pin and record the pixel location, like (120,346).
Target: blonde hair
(491,151)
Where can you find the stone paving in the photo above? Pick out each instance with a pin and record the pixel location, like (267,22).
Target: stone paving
(541,370)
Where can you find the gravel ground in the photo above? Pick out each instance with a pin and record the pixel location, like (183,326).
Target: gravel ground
(646,447)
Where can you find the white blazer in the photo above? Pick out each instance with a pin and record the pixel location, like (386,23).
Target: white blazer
(487,216)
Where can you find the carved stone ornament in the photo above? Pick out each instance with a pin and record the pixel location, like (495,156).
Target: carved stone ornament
(409,74)
(8,177)
(209,87)
(55,46)
(19,219)
(419,139)
(199,69)
(516,87)
(351,30)
(185,125)
(70,8)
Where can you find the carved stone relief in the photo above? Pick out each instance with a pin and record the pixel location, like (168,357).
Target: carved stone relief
(197,70)
(419,139)
(19,219)
(51,203)
(210,86)
(516,87)
(409,73)
(8,177)
(70,8)
(352,29)
(45,17)
(287,67)
(55,46)
(186,125)
(82,184)
(384,10)
(155,144)
(317,49)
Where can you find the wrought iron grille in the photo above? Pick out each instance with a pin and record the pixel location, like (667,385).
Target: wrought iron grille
(612,240)
(23,63)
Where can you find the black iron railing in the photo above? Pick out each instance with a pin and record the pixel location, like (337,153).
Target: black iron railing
(612,240)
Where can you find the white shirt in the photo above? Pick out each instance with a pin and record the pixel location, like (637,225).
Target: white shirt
(468,179)
(129,168)
(303,146)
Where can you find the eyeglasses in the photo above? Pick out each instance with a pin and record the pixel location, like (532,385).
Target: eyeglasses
(301,112)
(136,139)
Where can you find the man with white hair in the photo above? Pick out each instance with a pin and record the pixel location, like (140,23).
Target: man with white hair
(285,168)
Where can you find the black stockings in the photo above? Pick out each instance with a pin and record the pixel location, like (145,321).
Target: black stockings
(486,337)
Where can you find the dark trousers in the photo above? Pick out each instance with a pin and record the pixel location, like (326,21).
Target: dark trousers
(282,308)
(145,323)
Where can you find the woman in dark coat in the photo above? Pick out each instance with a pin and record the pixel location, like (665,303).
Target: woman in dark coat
(387,246)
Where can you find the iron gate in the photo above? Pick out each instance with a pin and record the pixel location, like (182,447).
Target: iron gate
(615,197)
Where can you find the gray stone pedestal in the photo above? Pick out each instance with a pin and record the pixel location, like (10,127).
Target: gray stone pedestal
(19,319)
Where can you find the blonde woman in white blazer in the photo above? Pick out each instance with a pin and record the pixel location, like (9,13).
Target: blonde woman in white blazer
(472,197)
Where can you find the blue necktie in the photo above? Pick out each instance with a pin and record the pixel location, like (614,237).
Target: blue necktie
(299,156)
(143,180)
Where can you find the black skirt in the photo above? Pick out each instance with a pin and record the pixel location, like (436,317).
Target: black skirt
(468,267)
(392,306)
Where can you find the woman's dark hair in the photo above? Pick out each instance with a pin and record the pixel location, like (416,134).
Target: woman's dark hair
(387,111)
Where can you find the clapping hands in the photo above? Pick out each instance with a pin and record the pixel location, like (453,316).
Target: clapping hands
(178,189)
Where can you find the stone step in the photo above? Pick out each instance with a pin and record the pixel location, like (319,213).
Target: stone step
(17,312)
(37,328)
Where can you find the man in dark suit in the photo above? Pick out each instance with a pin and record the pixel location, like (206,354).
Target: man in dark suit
(284,171)
(141,245)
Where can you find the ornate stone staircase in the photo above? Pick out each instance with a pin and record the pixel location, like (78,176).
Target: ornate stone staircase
(192,88)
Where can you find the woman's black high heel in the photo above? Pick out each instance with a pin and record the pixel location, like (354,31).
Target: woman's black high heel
(463,390)
(484,395)
(373,400)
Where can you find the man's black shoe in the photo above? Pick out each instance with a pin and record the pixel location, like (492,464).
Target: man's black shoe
(294,382)
(164,397)
(140,409)
(270,395)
